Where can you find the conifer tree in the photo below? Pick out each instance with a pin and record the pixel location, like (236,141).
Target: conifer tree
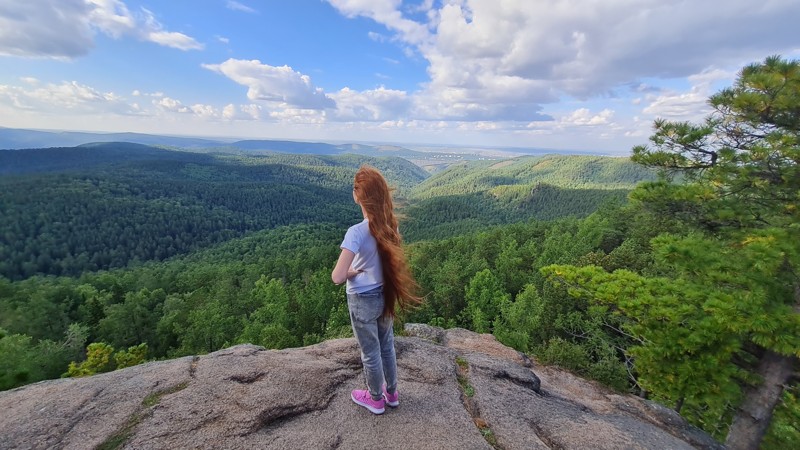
(721,328)
(485,298)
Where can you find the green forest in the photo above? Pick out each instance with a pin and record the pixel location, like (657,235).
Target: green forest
(673,274)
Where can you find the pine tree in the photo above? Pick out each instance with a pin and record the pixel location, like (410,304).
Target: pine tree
(721,328)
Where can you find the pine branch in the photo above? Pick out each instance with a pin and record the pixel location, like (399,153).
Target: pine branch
(641,341)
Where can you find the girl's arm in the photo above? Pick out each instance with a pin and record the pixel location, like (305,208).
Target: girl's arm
(342,270)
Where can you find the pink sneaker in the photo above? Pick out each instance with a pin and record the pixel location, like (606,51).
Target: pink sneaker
(363,398)
(392,400)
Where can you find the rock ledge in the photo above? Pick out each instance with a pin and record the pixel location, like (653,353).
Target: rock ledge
(458,389)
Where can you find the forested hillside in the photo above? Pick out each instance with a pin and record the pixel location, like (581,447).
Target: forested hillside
(471,196)
(70,210)
(271,288)
(513,177)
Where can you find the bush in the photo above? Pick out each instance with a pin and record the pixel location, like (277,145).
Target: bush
(563,353)
(133,356)
(98,360)
(611,373)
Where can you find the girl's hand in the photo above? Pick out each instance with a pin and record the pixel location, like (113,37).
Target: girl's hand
(351,273)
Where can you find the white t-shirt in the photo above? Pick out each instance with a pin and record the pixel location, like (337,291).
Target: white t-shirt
(360,241)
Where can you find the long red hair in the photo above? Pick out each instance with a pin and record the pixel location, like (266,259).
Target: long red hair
(375,196)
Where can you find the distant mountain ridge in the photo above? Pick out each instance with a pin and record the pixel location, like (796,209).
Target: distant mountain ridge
(86,156)
(18,139)
(433,157)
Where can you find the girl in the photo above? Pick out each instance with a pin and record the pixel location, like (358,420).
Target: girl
(378,278)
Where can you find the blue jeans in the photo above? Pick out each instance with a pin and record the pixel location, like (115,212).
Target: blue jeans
(375,336)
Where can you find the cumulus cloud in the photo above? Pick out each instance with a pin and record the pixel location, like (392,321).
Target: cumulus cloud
(204,111)
(387,13)
(254,111)
(33,103)
(112,17)
(58,28)
(75,99)
(151,30)
(241,112)
(66,28)
(71,97)
(682,105)
(504,60)
(583,117)
(281,86)
(170,104)
(298,116)
(372,105)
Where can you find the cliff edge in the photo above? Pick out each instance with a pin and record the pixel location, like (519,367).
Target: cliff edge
(458,390)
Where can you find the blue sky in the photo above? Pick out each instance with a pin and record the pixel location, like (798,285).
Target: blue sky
(568,74)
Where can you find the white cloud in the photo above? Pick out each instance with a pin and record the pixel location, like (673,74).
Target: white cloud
(706,79)
(201,111)
(242,112)
(170,104)
(236,6)
(298,116)
(230,112)
(387,13)
(692,105)
(66,97)
(56,28)
(152,31)
(111,17)
(174,40)
(581,120)
(425,6)
(204,111)
(583,117)
(66,28)
(679,105)
(372,105)
(254,111)
(491,60)
(281,86)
